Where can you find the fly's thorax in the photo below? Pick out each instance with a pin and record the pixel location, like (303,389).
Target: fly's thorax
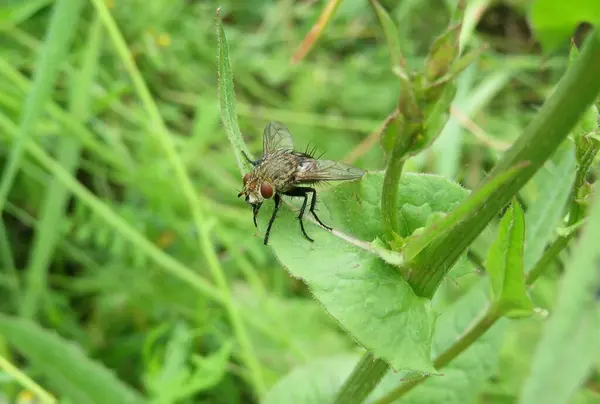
(280,169)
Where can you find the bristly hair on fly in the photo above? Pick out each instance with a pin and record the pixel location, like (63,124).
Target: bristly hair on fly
(281,171)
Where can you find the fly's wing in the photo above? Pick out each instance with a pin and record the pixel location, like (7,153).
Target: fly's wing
(311,170)
(276,137)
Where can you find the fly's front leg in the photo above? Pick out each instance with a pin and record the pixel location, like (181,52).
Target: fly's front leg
(255,209)
(277,201)
(253,162)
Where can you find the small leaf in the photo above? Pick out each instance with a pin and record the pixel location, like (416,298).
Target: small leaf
(505,265)
(442,54)
(227,100)
(555,20)
(367,296)
(569,346)
(65,366)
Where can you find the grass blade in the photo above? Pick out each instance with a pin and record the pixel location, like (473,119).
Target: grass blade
(62,28)
(315,32)
(53,208)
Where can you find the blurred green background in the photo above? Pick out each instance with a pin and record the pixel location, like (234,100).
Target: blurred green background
(87,280)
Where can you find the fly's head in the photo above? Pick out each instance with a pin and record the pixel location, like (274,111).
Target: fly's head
(256,190)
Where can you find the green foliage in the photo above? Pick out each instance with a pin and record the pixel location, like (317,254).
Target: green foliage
(121,231)
(72,374)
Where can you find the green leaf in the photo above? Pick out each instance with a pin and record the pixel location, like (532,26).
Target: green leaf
(70,372)
(569,345)
(227,100)
(554,183)
(314,383)
(368,297)
(505,265)
(465,376)
(555,20)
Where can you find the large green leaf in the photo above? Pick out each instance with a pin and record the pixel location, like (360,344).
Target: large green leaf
(569,346)
(72,374)
(318,381)
(368,297)
(505,265)
(464,377)
(555,20)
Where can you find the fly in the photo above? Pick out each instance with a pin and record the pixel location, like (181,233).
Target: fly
(283,171)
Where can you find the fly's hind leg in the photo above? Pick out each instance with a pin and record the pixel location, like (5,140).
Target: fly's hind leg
(313,204)
(301,192)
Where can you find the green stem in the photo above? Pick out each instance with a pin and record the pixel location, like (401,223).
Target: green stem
(365,376)
(391,181)
(575,92)
(548,257)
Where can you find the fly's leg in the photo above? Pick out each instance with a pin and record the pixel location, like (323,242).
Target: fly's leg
(313,204)
(255,209)
(253,162)
(301,192)
(277,200)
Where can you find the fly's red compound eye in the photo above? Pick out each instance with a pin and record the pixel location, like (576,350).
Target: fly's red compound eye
(266,190)
(247,178)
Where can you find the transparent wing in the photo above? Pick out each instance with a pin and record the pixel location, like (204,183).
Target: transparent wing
(326,170)
(276,137)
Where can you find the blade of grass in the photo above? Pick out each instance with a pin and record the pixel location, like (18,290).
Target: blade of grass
(227,100)
(53,208)
(26,381)
(163,137)
(63,23)
(316,31)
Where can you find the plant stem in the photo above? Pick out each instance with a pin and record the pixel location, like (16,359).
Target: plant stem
(575,92)
(484,323)
(549,255)
(365,376)
(391,181)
